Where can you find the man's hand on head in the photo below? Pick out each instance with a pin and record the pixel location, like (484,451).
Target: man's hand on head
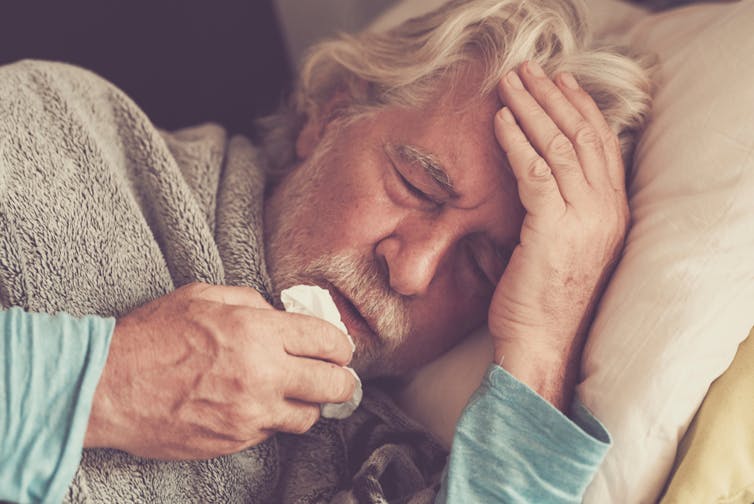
(208,370)
(571,182)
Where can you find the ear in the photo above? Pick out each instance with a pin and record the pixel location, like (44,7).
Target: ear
(309,136)
(318,120)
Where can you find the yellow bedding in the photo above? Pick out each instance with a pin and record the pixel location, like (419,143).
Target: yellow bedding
(715,462)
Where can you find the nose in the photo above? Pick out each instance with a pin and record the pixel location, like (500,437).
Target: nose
(413,257)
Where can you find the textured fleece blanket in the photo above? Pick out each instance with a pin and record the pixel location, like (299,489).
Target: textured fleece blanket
(101,212)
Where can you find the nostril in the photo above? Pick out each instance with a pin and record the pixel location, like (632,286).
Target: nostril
(382,267)
(410,261)
(410,280)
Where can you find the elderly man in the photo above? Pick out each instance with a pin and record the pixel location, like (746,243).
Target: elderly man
(445,173)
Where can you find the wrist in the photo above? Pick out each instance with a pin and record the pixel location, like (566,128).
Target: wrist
(102,425)
(97,428)
(549,372)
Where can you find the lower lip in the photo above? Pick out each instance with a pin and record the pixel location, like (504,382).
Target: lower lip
(354,322)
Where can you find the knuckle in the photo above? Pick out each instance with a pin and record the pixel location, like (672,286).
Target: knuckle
(612,142)
(235,321)
(553,97)
(243,318)
(192,289)
(235,422)
(197,288)
(585,136)
(328,342)
(305,419)
(347,386)
(193,306)
(263,374)
(518,142)
(338,384)
(312,417)
(608,137)
(532,109)
(254,296)
(344,351)
(560,147)
(334,381)
(539,169)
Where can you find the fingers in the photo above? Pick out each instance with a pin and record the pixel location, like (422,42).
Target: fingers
(305,336)
(585,104)
(296,417)
(302,336)
(537,187)
(581,133)
(546,138)
(315,381)
(564,126)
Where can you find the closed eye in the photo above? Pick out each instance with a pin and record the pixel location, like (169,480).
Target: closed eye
(412,188)
(426,201)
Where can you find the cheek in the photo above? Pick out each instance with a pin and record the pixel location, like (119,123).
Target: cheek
(441,323)
(461,315)
(348,221)
(359,213)
(457,303)
(330,210)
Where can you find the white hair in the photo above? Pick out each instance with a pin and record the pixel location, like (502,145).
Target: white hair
(402,66)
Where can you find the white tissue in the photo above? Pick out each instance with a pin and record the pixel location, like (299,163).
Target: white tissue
(317,302)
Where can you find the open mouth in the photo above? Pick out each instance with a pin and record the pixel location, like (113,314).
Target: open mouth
(352,318)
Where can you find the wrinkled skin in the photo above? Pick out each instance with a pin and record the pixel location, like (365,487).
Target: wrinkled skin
(526,240)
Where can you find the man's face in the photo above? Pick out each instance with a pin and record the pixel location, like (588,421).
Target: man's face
(407,216)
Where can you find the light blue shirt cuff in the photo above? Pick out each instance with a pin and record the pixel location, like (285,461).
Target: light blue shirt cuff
(49,369)
(511,445)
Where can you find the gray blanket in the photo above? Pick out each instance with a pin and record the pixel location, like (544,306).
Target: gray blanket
(101,212)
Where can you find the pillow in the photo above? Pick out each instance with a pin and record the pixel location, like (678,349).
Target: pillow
(715,462)
(682,298)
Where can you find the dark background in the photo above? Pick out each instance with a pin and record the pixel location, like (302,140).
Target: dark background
(183,61)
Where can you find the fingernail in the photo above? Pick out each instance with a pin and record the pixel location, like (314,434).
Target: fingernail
(567,79)
(535,69)
(514,81)
(507,116)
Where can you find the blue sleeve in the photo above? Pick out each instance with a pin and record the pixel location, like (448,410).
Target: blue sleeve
(49,370)
(512,446)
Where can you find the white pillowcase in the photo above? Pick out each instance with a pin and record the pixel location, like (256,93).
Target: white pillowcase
(682,298)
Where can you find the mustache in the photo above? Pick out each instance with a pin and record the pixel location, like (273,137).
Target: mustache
(369,290)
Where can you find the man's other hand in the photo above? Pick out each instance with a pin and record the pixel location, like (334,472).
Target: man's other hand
(571,182)
(209,370)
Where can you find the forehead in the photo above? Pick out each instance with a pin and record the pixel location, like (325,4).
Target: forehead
(456,129)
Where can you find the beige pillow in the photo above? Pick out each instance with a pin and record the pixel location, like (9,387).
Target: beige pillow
(682,298)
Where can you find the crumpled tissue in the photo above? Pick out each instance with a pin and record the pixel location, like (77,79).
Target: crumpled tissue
(316,302)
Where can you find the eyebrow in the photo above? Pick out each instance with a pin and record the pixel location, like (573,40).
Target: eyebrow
(431,166)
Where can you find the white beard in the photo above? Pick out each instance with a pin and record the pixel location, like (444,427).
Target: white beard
(290,263)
